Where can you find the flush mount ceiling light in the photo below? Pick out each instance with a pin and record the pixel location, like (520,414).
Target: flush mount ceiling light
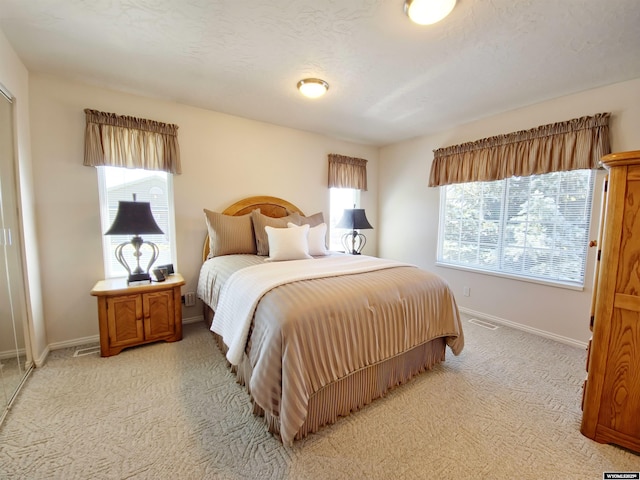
(313,87)
(426,12)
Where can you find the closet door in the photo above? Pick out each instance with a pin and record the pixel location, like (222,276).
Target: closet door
(14,363)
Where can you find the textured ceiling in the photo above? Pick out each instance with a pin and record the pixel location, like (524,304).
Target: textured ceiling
(390,79)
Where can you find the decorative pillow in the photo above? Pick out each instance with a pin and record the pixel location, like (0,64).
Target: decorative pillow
(312,220)
(261,221)
(229,234)
(288,243)
(317,239)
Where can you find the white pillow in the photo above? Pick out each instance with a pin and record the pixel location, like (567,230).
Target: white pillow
(317,239)
(288,243)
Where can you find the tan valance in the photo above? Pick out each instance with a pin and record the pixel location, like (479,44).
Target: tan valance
(120,141)
(571,145)
(347,172)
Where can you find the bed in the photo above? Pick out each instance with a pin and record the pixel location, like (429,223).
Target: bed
(315,337)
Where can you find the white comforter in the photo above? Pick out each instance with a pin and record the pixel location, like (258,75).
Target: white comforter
(243,290)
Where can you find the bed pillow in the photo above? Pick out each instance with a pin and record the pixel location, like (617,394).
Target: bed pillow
(288,243)
(260,221)
(312,220)
(229,234)
(317,239)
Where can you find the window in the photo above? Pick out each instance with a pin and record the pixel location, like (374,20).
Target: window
(532,227)
(155,187)
(340,198)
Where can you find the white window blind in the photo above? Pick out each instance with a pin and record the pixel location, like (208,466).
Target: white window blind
(534,227)
(340,198)
(155,187)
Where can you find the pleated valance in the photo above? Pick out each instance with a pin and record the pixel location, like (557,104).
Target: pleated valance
(572,145)
(347,172)
(121,141)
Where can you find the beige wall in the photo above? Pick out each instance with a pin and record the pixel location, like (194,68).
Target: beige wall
(224,159)
(409,212)
(15,78)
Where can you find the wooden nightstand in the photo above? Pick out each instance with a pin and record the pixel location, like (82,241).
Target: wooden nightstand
(130,316)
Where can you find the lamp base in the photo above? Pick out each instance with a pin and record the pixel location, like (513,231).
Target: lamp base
(138,279)
(353,242)
(137,274)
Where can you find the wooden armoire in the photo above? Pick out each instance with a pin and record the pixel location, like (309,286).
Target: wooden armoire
(611,397)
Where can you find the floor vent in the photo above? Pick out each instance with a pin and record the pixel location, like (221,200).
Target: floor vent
(481,323)
(81,352)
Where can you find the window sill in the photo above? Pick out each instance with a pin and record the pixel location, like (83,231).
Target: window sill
(549,283)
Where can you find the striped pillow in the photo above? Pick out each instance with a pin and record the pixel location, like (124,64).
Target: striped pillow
(261,221)
(229,234)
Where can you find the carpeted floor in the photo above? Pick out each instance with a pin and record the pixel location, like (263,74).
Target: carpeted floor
(508,407)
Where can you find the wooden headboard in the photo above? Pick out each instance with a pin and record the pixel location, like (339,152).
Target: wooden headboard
(270,206)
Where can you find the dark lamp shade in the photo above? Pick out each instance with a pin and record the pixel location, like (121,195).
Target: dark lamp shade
(134,218)
(354,219)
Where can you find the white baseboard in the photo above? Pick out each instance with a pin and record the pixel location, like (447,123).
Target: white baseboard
(12,353)
(39,362)
(75,342)
(196,319)
(525,328)
(94,339)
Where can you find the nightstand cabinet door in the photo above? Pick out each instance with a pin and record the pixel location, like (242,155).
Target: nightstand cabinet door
(158,310)
(124,316)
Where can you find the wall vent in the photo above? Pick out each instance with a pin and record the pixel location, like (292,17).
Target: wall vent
(484,324)
(81,352)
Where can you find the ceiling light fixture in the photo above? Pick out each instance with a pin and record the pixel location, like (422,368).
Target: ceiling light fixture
(426,12)
(313,87)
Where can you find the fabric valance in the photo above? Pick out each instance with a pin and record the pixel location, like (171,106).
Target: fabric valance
(121,141)
(347,172)
(571,145)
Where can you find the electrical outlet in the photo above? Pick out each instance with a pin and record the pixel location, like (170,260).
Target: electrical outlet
(466,291)
(189,299)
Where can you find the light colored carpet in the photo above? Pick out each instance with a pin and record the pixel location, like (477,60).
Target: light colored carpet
(508,407)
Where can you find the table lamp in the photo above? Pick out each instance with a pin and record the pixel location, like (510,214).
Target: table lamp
(135,218)
(354,219)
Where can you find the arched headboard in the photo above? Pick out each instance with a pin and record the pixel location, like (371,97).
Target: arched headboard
(270,206)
